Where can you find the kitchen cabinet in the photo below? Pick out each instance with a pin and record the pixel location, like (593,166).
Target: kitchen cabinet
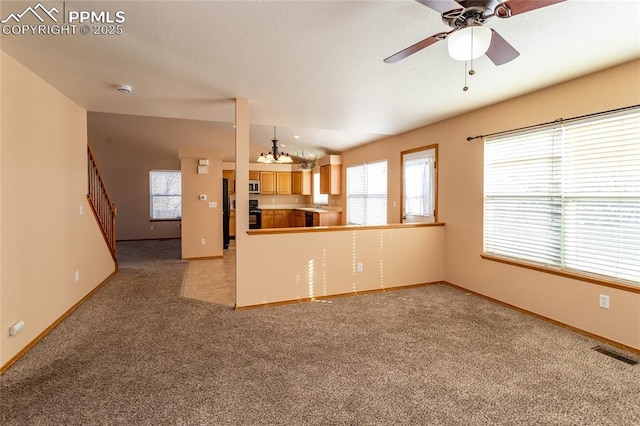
(330,179)
(301,182)
(254,175)
(275,218)
(230,175)
(283,183)
(327,219)
(298,216)
(267,183)
(232,223)
(267,219)
(280,219)
(291,218)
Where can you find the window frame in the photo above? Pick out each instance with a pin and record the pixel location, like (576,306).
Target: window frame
(152,218)
(435,183)
(366,195)
(566,266)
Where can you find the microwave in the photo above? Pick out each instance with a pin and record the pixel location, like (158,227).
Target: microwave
(254,187)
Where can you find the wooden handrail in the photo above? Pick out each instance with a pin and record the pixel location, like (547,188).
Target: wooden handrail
(101,204)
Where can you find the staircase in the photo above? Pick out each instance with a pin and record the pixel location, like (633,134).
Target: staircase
(103,209)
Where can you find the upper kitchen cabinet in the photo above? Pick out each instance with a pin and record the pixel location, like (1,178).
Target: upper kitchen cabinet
(283,183)
(268,183)
(254,175)
(230,175)
(272,183)
(330,179)
(301,182)
(331,174)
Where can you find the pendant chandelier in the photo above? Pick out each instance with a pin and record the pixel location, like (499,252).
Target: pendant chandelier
(274,156)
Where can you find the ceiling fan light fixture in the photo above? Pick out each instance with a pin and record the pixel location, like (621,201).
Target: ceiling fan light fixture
(469,43)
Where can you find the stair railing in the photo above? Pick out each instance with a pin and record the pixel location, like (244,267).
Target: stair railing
(101,204)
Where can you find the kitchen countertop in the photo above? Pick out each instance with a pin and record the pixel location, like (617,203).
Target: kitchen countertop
(306,209)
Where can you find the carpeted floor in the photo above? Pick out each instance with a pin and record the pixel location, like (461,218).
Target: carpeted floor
(138,353)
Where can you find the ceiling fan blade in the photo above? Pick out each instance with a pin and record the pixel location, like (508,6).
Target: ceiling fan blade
(415,48)
(516,7)
(500,51)
(441,6)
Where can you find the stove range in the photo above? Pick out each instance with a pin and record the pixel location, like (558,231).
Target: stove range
(255,215)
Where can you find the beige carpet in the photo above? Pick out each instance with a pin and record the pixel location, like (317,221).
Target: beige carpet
(212,280)
(137,353)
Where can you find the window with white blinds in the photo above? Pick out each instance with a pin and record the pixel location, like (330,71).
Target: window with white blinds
(567,196)
(367,194)
(166,194)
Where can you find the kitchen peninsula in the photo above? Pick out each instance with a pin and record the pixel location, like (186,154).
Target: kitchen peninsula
(277,217)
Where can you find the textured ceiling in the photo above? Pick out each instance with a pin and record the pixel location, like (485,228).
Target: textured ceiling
(314,68)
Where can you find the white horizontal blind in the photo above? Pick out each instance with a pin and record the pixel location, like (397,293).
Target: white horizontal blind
(318,198)
(367,194)
(166,194)
(567,197)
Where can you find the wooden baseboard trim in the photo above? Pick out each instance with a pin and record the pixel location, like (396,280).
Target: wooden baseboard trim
(333,296)
(551,320)
(148,239)
(46,331)
(203,258)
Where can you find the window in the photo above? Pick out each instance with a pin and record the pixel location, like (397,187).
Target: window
(419,185)
(166,194)
(319,198)
(567,197)
(367,194)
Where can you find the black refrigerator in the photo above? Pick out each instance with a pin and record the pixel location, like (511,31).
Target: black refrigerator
(225,213)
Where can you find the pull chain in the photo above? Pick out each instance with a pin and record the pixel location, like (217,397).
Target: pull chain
(465,88)
(471,71)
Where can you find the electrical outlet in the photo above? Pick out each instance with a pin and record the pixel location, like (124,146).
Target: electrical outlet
(202,241)
(77,276)
(604,301)
(359,267)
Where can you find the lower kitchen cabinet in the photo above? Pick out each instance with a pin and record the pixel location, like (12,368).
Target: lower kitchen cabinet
(280,219)
(327,219)
(288,218)
(232,223)
(275,218)
(267,219)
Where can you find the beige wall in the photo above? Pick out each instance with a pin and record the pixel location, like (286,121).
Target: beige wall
(126,149)
(461,202)
(201,221)
(312,264)
(45,239)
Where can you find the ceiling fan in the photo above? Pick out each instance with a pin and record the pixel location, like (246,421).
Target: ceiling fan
(468,38)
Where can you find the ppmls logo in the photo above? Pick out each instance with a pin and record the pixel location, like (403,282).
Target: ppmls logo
(16,17)
(52,22)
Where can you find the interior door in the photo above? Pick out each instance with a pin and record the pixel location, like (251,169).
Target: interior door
(419,185)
